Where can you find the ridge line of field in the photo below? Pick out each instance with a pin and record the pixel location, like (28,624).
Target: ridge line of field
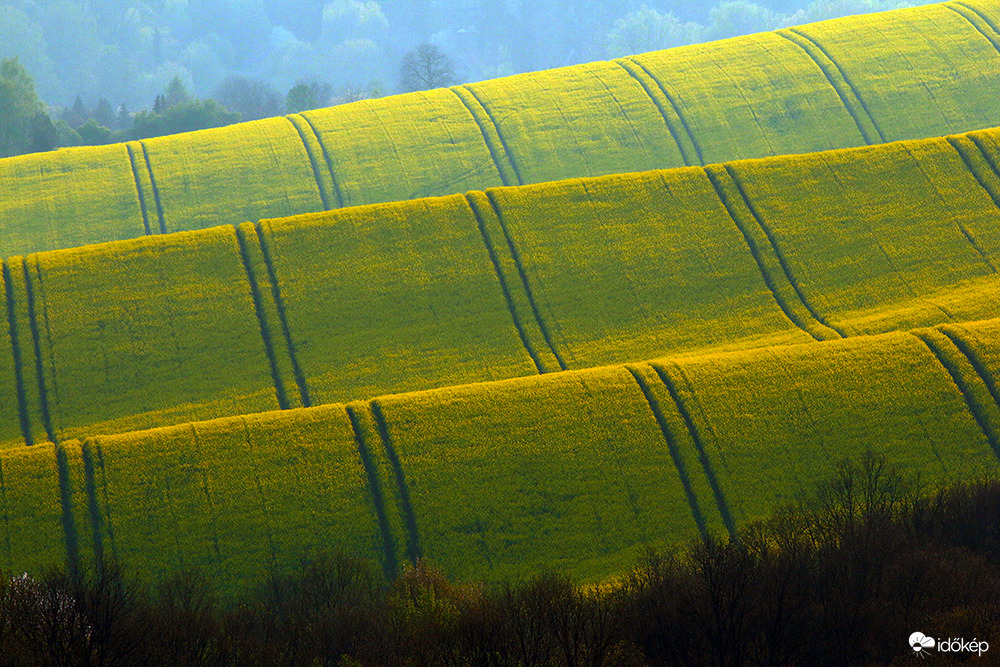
(755,252)
(972,404)
(93,507)
(672,448)
(265,510)
(279,302)
(327,159)
(511,307)
(706,464)
(778,252)
(22,398)
(39,365)
(676,107)
(324,196)
(808,47)
(488,137)
(214,520)
(265,332)
(496,126)
(413,551)
(628,66)
(977,364)
(138,188)
(974,169)
(516,255)
(974,22)
(70,536)
(156,191)
(390,566)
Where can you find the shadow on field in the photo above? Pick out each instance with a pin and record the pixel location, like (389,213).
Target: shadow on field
(842,578)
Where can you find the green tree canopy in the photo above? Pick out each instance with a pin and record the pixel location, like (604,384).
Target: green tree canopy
(19,106)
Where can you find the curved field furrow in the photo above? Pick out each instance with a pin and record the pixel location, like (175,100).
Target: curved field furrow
(377,148)
(587,120)
(259,169)
(620,271)
(15,425)
(775,420)
(220,495)
(70,197)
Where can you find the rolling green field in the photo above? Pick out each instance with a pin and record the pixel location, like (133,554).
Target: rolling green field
(580,470)
(135,334)
(344,305)
(906,74)
(545,322)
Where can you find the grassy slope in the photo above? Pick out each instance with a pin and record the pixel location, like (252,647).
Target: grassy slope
(579,471)
(137,333)
(631,267)
(888,237)
(235,496)
(67,198)
(259,169)
(391,298)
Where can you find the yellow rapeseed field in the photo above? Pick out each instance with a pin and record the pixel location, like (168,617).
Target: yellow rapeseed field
(392,297)
(773,421)
(237,497)
(587,120)
(579,471)
(759,94)
(32,536)
(67,198)
(636,266)
(135,334)
(939,62)
(377,149)
(232,174)
(881,238)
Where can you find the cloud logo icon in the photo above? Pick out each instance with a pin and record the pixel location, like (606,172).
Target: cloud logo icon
(920,642)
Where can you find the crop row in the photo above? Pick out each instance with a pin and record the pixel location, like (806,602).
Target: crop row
(386,298)
(579,471)
(906,74)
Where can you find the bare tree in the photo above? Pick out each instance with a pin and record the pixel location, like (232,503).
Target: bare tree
(426,67)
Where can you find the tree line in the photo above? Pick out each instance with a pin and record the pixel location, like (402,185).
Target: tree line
(27,125)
